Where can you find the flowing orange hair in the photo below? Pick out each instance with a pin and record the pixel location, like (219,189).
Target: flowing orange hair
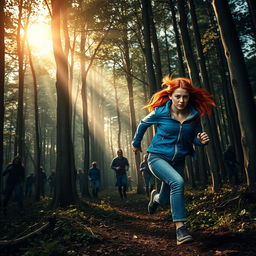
(199,98)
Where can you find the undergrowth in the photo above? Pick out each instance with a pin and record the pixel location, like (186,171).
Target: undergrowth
(224,211)
(77,226)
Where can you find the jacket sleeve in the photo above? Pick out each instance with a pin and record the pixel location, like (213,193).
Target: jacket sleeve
(146,122)
(113,164)
(198,129)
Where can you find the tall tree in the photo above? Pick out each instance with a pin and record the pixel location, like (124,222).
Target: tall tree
(65,176)
(117,107)
(194,75)
(177,39)
(252,10)
(19,148)
(206,83)
(148,50)
(2,72)
(240,85)
(128,67)
(158,66)
(37,129)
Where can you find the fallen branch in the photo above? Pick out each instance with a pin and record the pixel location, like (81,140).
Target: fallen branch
(51,222)
(223,204)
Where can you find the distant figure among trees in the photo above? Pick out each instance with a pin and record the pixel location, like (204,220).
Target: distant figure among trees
(176,112)
(30,181)
(80,180)
(15,181)
(42,181)
(52,182)
(121,165)
(149,178)
(94,179)
(231,163)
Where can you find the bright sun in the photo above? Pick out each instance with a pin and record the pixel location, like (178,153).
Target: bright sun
(39,38)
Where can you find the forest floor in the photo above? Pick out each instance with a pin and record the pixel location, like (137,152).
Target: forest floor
(111,226)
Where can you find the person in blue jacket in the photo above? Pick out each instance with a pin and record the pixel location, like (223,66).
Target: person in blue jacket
(175,111)
(94,178)
(121,165)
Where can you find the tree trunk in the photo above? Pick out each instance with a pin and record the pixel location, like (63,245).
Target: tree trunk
(128,68)
(194,75)
(2,82)
(252,10)
(240,85)
(148,50)
(206,84)
(20,115)
(229,101)
(84,93)
(65,175)
(37,132)
(117,109)
(177,39)
(158,65)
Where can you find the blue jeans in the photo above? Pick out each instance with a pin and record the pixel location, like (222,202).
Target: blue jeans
(172,188)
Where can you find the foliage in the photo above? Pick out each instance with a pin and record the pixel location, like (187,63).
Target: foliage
(219,212)
(70,232)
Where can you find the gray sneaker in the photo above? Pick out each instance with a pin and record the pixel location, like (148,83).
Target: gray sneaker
(182,235)
(152,205)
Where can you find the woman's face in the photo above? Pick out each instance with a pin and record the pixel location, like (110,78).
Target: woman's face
(180,98)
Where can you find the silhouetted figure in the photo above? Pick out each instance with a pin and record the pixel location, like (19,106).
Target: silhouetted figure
(80,180)
(94,178)
(42,181)
(230,162)
(121,165)
(15,180)
(52,182)
(149,178)
(30,180)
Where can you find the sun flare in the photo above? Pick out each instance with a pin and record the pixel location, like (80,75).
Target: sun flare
(39,38)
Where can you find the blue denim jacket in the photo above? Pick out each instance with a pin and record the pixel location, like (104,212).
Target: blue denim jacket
(173,140)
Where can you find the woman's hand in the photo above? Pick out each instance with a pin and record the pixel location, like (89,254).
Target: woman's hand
(203,137)
(136,150)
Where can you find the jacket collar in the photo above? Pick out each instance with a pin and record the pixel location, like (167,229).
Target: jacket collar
(193,112)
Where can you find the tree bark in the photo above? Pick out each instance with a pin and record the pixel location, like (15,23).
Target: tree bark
(37,131)
(84,92)
(20,115)
(158,65)
(252,10)
(206,84)
(240,85)
(128,68)
(148,50)
(2,82)
(194,75)
(65,175)
(181,72)
(117,109)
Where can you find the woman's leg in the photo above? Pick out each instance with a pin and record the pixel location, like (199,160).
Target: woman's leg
(172,188)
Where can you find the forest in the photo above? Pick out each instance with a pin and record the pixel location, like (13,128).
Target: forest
(75,76)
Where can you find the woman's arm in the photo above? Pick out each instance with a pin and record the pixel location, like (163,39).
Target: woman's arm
(146,122)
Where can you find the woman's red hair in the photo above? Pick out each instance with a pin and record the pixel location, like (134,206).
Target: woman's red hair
(199,98)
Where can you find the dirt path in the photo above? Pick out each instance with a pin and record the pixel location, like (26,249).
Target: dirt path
(133,232)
